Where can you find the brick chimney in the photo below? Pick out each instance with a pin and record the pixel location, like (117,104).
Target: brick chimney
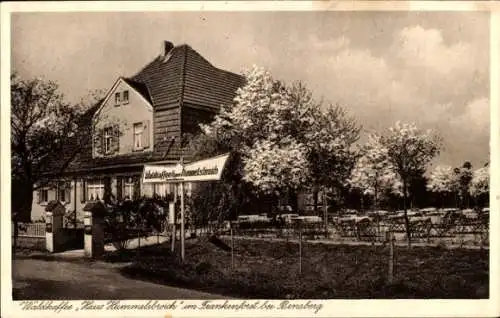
(167,46)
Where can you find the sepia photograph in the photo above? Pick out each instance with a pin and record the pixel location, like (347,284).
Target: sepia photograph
(295,156)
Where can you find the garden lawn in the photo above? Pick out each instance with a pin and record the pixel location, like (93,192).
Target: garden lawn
(265,269)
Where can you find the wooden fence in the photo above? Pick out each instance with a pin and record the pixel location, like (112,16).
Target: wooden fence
(421,230)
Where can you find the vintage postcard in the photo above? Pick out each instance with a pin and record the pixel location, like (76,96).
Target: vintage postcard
(213,159)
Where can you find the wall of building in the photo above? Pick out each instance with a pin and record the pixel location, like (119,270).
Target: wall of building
(74,202)
(77,201)
(193,116)
(137,110)
(167,125)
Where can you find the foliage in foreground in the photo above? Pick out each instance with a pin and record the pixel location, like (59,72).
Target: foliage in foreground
(129,218)
(270,270)
(47,134)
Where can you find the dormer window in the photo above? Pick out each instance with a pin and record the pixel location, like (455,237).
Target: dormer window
(117,98)
(125,97)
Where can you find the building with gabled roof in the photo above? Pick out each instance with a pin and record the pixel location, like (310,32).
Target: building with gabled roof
(142,120)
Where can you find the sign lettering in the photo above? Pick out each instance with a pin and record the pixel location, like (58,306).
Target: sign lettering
(204,170)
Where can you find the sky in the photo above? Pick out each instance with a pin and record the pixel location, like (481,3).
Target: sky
(431,68)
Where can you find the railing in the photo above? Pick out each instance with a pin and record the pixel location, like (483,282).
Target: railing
(422,229)
(30,229)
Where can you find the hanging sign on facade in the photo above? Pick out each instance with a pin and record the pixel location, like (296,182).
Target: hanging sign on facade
(203,170)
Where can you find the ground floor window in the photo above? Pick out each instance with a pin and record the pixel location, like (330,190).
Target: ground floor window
(95,190)
(162,189)
(128,188)
(63,193)
(43,196)
(188,188)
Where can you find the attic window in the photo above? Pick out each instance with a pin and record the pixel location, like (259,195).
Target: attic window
(117,98)
(125,97)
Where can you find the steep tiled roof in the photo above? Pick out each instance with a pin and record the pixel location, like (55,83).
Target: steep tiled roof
(186,76)
(163,78)
(141,88)
(182,76)
(207,85)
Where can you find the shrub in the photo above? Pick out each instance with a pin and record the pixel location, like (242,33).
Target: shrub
(127,219)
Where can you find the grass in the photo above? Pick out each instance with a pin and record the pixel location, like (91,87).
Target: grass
(271,270)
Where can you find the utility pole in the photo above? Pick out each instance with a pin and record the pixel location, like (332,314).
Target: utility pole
(182,214)
(174,218)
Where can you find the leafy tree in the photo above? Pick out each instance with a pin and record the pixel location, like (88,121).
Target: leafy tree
(46,135)
(373,173)
(224,199)
(126,219)
(419,195)
(285,141)
(465,177)
(479,185)
(444,181)
(331,153)
(409,151)
(281,141)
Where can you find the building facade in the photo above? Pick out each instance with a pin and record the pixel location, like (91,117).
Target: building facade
(143,119)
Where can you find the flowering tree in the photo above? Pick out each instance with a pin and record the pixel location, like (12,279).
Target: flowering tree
(285,141)
(444,180)
(409,150)
(276,166)
(479,185)
(373,173)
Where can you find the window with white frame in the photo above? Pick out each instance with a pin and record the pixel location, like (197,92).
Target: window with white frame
(128,188)
(160,189)
(108,139)
(117,98)
(138,131)
(95,190)
(188,188)
(61,195)
(125,97)
(44,195)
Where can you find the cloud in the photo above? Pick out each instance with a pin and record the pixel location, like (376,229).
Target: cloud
(317,44)
(425,49)
(475,119)
(430,68)
(419,78)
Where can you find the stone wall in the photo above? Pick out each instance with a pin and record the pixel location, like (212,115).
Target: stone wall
(32,243)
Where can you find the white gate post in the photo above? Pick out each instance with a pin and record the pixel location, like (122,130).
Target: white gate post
(54,236)
(94,229)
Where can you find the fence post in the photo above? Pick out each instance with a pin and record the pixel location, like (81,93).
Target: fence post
(232,249)
(390,274)
(300,250)
(325,207)
(138,238)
